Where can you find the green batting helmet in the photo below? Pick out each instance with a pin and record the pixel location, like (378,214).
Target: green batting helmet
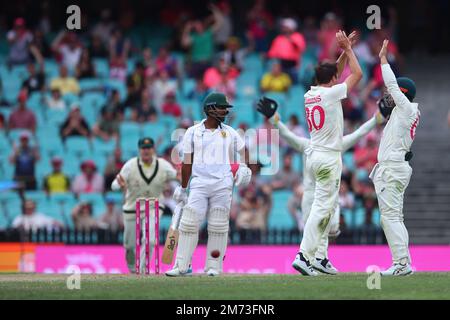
(215,99)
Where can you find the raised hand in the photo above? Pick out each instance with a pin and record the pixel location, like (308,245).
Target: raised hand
(352,37)
(121,181)
(383,51)
(343,41)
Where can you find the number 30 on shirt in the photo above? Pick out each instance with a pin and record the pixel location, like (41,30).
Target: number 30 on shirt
(315,117)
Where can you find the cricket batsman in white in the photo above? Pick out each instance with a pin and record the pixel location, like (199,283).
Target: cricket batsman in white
(324,163)
(141,177)
(268,108)
(392,173)
(209,148)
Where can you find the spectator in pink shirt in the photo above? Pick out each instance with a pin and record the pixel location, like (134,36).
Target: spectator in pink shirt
(22,118)
(366,157)
(89,181)
(213,76)
(327,36)
(288,47)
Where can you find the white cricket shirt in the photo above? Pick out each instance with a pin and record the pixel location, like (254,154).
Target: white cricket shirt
(400,130)
(324,116)
(214,151)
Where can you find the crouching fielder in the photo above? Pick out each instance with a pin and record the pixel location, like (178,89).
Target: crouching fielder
(268,108)
(392,173)
(209,147)
(141,177)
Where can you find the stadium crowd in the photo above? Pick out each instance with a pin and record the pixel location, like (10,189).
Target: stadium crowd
(102,87)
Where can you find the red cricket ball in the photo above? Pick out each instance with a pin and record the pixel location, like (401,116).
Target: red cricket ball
(215,253)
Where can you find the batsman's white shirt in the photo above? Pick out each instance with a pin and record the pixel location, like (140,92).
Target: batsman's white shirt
(211,180)
(324,116)
(214,151)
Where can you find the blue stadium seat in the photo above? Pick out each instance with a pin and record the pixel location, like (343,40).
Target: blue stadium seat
(6,112)
(129,135)
(129,128)
(118,85)
(116,196)
(101,67)
(71,165)
(77,145)
(253,63)
(51,69)
(4,223)
(64,202)
(97,201)
(247,85)
(93,100)
(188,86)
(244,111)
(5,145)
(100,159)
(14,136)
(297,163)
(50,209)
(348,160)
(9,196)
(279,217)
(169,122)
(70,99)
(55,117)
(43,168)
(376,216)
(6,169)
(294,103)
(102,146)
(51,147)
(348,218)
(37,196)
(36,101)
(90,84)
(12,209)
(154,130)
(164,222)
(359,217)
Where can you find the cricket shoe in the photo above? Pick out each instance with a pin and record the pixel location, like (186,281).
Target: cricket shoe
(324,266)
(212,272)
(398,269)
(303,266)
(175,272)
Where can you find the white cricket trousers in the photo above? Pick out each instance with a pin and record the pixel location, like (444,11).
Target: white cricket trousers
(391,180)
(325,168)
(307,201)
(129,238)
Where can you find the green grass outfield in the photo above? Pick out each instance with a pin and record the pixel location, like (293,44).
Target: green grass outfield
(343,286)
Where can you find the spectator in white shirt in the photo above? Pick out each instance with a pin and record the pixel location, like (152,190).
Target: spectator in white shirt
(32,220)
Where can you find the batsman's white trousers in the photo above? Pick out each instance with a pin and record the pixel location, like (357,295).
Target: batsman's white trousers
(205,195)
(129,238)
(391,180)
(325,168)
(213,196)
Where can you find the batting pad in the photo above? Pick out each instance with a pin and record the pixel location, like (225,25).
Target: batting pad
(218,225)
(188,238)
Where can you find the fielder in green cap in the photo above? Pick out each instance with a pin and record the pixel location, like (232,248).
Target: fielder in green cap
(392,173)
(143,176)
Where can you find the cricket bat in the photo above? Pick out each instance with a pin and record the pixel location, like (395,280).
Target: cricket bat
(172,236)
